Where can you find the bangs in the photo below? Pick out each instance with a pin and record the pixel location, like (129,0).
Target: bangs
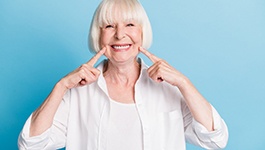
(120,10)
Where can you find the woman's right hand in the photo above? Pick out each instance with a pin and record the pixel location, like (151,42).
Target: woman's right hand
(83,75)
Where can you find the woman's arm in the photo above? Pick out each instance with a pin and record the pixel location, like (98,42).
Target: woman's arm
(198,105)
(200,108)
(42,118)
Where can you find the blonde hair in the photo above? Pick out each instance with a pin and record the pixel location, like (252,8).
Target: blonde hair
(105,14)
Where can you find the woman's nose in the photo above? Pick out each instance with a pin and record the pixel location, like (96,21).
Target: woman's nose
(120,33)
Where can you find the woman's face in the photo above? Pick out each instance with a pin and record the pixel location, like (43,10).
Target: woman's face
(122,40)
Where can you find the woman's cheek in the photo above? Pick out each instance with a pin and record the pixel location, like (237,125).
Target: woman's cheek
(107,53)
(137,36)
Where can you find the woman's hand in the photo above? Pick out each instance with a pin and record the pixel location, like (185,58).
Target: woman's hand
(83,75)
(198,105)
(42,118)
(162,71)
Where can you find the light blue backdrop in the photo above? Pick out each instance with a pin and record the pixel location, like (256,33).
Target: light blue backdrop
(218,44)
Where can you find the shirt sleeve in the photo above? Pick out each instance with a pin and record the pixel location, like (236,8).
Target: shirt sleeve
(52,138)
(197,134)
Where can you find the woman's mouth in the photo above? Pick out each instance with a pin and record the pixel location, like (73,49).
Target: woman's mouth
(121,47)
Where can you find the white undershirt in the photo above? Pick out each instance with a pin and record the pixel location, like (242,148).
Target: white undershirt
(125,131)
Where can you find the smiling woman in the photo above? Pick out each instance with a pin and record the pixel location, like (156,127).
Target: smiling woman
(123,103)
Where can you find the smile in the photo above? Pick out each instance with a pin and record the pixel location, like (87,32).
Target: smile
(121,47)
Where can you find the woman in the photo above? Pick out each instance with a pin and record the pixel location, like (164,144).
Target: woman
(122,103)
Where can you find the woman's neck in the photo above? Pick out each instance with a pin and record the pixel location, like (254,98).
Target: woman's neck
(125,75)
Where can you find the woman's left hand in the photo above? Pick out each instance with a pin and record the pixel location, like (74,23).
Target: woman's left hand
(162,71)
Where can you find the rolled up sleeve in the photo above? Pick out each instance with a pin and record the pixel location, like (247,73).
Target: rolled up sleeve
(51,139)
(25,142)
(197,134)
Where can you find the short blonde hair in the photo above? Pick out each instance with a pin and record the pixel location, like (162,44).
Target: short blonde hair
(104,14)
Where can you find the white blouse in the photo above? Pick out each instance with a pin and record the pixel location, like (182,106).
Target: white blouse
(82,119)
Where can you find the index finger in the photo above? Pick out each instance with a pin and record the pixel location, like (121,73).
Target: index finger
(151,56)
(95,58)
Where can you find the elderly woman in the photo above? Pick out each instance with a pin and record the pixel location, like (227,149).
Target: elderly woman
(123,104)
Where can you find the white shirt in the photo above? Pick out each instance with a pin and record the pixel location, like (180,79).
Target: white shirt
(82,119)
(124,130)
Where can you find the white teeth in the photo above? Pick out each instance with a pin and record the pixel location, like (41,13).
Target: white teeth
(121,47)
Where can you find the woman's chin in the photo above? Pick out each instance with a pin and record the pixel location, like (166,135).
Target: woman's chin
(122,60)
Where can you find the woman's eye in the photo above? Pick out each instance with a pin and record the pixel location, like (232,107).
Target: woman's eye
(130,25)
(109,26)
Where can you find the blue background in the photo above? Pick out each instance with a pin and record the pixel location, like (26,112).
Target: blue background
(218,44)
